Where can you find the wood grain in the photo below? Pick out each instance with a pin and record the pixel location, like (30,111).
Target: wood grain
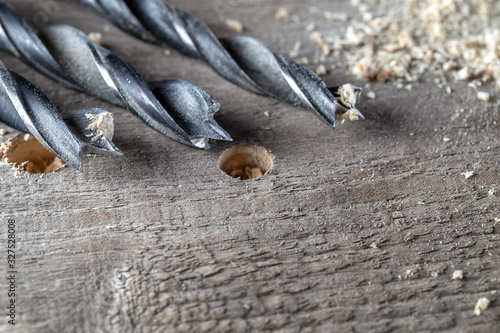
(160,240)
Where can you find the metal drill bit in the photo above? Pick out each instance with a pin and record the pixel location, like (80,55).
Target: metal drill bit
(176,109)
(24,107)
(242,60)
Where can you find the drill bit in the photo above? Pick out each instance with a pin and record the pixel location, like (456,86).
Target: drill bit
(26,108)
(242,60)
(174,108)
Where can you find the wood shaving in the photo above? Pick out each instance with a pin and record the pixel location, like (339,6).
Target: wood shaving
(26,155)
(396,40)
(482,304)
(3,132)
(371,95)
(235,26)
(246,162)
(102,123)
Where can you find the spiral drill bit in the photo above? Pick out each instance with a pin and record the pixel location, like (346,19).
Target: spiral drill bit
(24,107)
(174,108)
(242,60)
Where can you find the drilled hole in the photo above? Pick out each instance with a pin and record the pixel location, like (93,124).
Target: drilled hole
(246,162)
(25,153)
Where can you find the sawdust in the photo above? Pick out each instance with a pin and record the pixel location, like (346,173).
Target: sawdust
(294,53)
(246,162)
(401,40)
(25,154)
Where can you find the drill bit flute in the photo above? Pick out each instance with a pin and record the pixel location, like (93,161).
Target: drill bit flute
(242,60)
(176,109)
(26,108)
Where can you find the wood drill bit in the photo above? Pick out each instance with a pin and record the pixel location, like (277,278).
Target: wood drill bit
(175,108)
(242,60)
(24,107)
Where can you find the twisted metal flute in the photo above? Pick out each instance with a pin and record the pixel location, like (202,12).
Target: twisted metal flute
(175,108)
(242,60)
(24,107)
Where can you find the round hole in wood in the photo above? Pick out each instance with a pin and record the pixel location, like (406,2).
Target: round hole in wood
(27,154)
(246,162)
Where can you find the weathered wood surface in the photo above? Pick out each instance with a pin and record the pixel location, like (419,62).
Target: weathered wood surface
(191,249)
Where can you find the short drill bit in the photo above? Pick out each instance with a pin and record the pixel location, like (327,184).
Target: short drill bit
(24,107)
(242,60)
(175,108)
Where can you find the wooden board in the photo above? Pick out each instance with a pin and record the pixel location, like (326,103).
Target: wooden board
(160,240)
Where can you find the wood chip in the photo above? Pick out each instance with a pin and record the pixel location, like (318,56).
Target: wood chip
(310,27)
(468,174)
(102,123)
(282,13)
(316,38)
(3,132)
(321,70)
(303,61)
(95,37)
(235,26)
(458,275)
(482,304)
(340,17)
(294,53)
(371,95)
(483,96)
